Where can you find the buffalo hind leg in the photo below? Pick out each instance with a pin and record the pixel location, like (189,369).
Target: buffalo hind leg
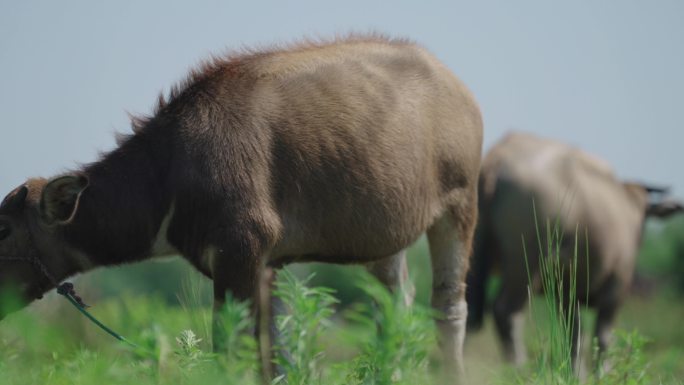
(450,243)
(393,273)
(604,324)
(606,301)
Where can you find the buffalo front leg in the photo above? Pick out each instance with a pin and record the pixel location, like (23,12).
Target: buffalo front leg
(219,335)
(243,281)
(510,318)
(450,243)
(270,307)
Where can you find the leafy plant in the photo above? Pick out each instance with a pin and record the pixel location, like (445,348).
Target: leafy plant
(188,352)
(307,318)
(625,361)
(398,351)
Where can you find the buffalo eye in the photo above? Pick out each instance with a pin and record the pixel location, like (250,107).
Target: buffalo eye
(5,231)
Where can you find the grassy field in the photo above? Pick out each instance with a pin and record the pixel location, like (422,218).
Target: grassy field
(332,338)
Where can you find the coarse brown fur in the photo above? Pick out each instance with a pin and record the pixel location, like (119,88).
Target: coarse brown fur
(342,151)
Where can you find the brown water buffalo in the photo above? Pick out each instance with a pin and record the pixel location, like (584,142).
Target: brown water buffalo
(341,152)
(569,190)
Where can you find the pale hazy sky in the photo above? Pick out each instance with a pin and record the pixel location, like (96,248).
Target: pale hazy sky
(607,76)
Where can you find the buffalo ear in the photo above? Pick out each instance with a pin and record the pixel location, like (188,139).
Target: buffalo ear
(664,208)
(60,198)
(16,199)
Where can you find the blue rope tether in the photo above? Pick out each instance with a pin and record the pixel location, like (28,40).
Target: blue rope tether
(67,290)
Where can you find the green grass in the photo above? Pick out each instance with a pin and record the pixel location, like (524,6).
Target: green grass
(387,343)
(332,337)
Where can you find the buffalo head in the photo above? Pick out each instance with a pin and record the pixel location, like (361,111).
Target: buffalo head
(32,218)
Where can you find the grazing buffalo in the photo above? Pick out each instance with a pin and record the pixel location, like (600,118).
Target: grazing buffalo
(341,152)
(580,196)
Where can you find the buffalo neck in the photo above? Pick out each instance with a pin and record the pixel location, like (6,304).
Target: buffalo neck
(121,210)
